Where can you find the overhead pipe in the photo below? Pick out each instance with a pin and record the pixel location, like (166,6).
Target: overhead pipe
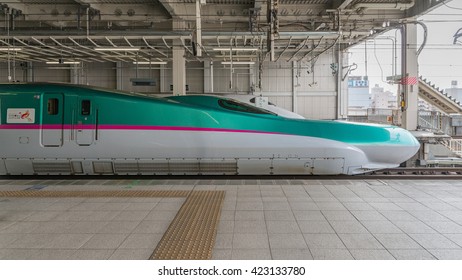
(385,6)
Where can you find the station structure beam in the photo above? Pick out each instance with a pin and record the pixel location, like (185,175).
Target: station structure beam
(208,76)
(179,71)
(410,77)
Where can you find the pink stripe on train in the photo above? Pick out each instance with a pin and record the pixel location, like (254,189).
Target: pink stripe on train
(128,127)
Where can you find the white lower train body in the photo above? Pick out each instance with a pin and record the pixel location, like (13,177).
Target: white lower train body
(164,152)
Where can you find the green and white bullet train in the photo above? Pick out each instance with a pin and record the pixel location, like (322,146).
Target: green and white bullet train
(49,129)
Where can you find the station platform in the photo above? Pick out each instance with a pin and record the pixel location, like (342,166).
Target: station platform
(230,219)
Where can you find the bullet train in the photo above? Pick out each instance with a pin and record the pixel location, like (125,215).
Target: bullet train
(57,129)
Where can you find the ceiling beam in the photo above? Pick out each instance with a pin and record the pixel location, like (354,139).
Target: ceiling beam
(424,7)
(83,3)
(14,4)
(169,6)
(341,5)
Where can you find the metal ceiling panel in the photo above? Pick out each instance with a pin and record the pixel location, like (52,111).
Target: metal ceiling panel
(382,1)
(306,2)
(305,28)
(47,2)
(123,2)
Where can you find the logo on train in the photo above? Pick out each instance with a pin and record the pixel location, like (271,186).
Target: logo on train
(21,115)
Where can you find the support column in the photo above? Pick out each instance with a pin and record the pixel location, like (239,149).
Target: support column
(208,76)
(342,86)
(179,71)
(30,72)
(75,74)
(198,35)
(119,75)
(409,80)
(257,77)
(163,85)
(251,79)
(294,83)
(179,61)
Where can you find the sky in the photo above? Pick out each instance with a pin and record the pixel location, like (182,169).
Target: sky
(440,61)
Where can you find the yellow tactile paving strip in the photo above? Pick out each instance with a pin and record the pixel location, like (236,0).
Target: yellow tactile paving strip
(191,234)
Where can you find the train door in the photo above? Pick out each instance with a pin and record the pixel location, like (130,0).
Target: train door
(52,119)
(85,123)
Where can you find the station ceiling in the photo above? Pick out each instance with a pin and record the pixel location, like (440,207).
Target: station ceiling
(149,30)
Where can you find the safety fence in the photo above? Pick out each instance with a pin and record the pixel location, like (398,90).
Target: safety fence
(455,145)
(435,121)
(381,116)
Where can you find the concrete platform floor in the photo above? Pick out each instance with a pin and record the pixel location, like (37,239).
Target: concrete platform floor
(260,219)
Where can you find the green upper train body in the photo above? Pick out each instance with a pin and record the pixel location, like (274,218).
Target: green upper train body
(91,124)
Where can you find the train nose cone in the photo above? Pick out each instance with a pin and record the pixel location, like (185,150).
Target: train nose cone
(403,145)
(398,146)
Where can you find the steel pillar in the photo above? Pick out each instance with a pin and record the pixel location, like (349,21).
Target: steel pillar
(119,75)
(342,85)
(30,72)
(75,74)
(179,71)
(294,86)
(410,76)
(208,76)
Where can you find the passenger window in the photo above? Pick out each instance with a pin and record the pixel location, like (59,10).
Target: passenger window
(53,106)
(86,107)
(242,107)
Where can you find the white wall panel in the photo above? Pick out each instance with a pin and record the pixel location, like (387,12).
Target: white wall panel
(277,77)
(41,73)
(51,73)
(144,71)
(14,71)
(195,77)
(238,83)
(281,101)
(317,107)
(315,90)
(100,74)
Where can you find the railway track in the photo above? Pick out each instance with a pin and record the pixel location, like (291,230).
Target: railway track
(390,173)
(428,171)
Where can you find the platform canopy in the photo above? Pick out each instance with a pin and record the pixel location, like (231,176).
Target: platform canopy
(146,31)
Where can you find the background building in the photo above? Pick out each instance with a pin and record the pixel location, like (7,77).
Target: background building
(359,98)
(383,99)
(455,91)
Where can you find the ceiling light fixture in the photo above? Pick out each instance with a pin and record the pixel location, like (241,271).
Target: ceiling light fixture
(116,49)
(10,49)
(238,62)
(149,62)
(63,62)
(236,49)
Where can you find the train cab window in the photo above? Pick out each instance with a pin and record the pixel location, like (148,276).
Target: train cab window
(52,106)
(253,101)
(242,107)
(86,107)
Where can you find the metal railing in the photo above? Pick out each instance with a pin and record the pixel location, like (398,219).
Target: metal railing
(428,120)
(435,121)
(382,116)
(455,145)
